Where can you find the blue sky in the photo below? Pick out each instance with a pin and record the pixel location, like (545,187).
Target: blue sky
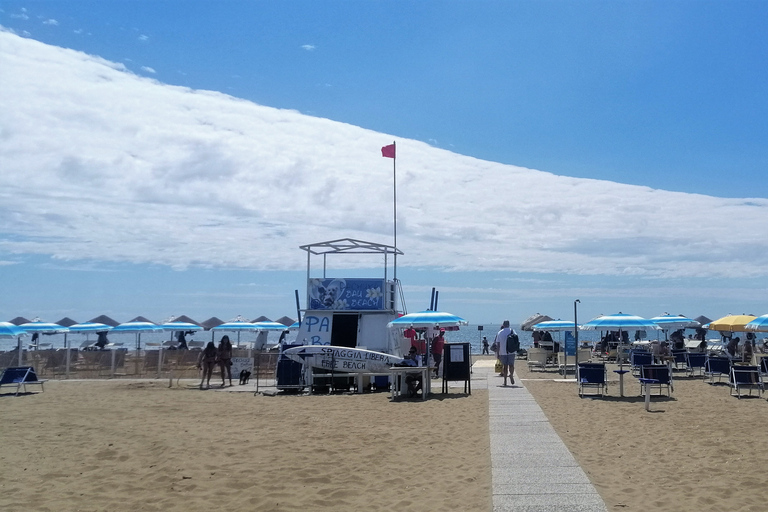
(666,95)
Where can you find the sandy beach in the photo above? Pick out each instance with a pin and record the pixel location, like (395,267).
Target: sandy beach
(140,446)
(701,450)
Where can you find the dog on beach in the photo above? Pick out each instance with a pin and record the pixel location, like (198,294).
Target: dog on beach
(245,375)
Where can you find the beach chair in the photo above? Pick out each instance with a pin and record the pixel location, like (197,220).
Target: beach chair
(563,368)
(660,374)
(763,366)
(592,375)
(717,367)
(695,362)
(537,358)
(638,359)
(746,377)
(681,359)
(20,376)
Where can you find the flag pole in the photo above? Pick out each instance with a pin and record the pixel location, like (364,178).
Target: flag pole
(394,188)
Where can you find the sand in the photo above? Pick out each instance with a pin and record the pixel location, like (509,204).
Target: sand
(140,446)
(702,450)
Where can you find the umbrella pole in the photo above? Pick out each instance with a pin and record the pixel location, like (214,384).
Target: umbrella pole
(21,353)
(66,347)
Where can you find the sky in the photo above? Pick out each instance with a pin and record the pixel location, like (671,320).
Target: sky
(547,151)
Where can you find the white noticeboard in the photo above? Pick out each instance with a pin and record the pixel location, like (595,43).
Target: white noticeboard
(239,364)
(457,354)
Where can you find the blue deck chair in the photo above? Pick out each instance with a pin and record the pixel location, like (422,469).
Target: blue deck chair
(746,377)
(639,358)
(717,367)
(592,375)
(20,376)
(764,366)
(681,359)
(661,373)
(696,362)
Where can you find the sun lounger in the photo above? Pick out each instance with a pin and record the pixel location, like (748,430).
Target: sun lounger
(592,375)
(20,376)
(746,377)
(537,358)
(655,375)
(717,367)
(639,358)
(681,359)
(696,362)
(764,366)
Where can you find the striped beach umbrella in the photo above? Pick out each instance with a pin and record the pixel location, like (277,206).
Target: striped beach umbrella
(138,328)
(619,321)
(428,319)
(271,326)
(9,330)
(555,325)
(44,328)
(759,324)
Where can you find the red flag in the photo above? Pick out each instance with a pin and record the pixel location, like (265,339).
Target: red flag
(388,151)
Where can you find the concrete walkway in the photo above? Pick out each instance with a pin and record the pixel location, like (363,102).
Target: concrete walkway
(532,468)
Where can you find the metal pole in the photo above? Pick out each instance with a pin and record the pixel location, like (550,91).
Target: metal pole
(576,329)
(394,188)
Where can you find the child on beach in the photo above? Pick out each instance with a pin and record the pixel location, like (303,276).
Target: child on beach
(206,362)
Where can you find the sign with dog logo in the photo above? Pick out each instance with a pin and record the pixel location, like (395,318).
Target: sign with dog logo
(241,363)
(346,294)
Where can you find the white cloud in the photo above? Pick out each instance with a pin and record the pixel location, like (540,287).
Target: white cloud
(78,31)
(148,69)
(21,15)
(51,22)
(98,163)
(143,38)
(308,47)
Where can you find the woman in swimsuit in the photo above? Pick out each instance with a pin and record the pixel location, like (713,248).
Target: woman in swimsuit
(225,359)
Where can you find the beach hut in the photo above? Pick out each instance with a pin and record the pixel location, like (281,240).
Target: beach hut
(67,322)
(286,320)
(104,319)
(211,323)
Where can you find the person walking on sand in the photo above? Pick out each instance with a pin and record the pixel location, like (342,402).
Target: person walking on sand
(485,346)
(225,359)
(507,360)
(206,362)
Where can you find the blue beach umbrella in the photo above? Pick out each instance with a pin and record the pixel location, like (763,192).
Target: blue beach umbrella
(9,330)
(44,328)
(555,325)
(88,327)
(428,319)
(236,326)
(759,324)
(619,321)
(138,328)
(271,326)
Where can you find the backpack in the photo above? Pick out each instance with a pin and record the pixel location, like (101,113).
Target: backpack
(513,343)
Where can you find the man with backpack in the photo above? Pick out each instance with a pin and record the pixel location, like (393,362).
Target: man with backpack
(508,343)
